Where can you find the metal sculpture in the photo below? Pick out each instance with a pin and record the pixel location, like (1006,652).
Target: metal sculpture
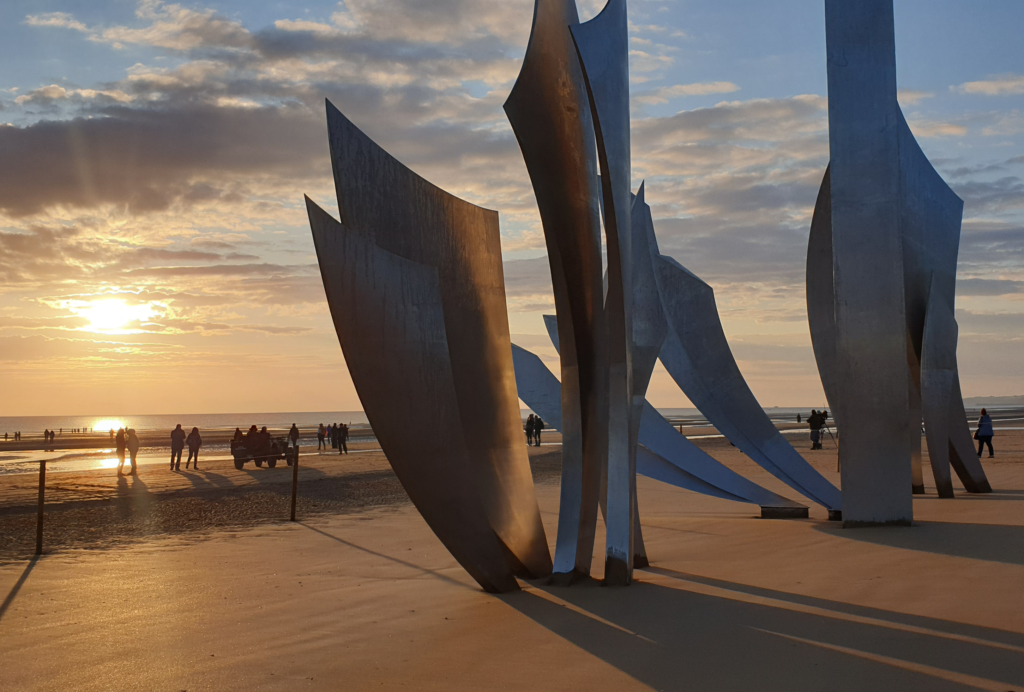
(664,454)
(549,112)
(414,281)
(949,437)
(681,320)
(867,259)
(697,356)
(603,46)
(868,318)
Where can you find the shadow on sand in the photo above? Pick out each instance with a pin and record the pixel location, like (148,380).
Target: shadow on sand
(989,542)
(418,568)
(17,586)
(701,634)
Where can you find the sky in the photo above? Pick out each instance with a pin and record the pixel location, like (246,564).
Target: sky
(155,255)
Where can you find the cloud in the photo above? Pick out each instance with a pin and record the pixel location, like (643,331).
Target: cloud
(664,94)
(61,20)
(54,92)
(149,159)
(1005,124)
(910,97)
(988,287)
(925,129)
(1003,85)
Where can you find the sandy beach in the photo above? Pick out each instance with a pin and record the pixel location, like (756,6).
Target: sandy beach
(195,582)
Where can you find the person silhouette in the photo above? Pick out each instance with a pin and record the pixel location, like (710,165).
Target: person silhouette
(133,449)
(120,444)
(177,446)
(194,443)
(984,433)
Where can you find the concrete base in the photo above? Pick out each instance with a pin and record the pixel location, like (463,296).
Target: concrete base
(784,513)
(567,578)
(835,515)
(865,524)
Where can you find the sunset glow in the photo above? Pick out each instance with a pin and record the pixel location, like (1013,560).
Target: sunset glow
(155,248)
(113,315)
(108,424)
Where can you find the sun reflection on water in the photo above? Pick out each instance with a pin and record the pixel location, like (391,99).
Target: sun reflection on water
(109,424)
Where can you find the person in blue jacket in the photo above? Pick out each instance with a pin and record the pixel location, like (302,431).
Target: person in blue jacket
(984,433)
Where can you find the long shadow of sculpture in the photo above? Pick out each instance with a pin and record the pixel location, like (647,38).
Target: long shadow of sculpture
(414,281)
(989,542)
(671,637)
(881,281)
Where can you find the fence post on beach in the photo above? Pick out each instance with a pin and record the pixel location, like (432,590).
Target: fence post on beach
(295,478)
(42,500)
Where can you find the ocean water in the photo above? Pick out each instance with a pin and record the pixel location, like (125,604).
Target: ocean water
(34,425)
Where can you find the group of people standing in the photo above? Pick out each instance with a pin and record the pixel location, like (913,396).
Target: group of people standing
(336,435)
(178,442)
(534,426)
(126,440)
(17,436)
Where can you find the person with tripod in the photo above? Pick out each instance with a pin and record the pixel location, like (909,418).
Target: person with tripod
(814,422)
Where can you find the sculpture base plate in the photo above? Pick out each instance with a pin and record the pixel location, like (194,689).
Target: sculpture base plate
(983,487)
(640,561)
(835,515)
(785,513)
(865,524)
(918,490)
(566,578)
(616,572)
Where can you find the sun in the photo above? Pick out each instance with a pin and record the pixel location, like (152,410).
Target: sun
(113,314)
(109,424)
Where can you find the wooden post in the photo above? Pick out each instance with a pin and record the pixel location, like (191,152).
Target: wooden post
(295,479)
(42,500)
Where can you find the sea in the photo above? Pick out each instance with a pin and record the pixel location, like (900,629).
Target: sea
(19,462)
(34,425)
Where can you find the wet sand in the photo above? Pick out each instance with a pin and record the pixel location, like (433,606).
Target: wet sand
(363,596)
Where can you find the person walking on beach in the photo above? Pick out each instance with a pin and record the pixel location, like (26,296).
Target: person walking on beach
(194,443)
(538,425)
(321,433)
(293,435)
(333,432)
(120,443)
(984,433)
(133,450)
(529,430)
(177,446)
